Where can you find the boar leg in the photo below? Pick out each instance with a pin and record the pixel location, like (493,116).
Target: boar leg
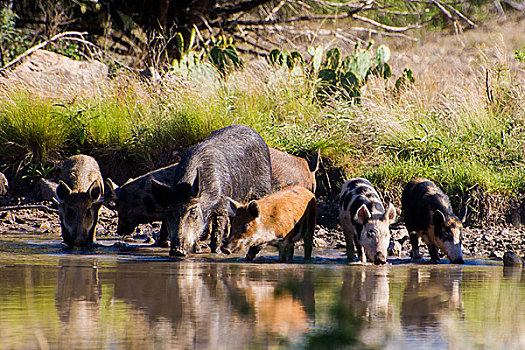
(286,250)
(308,237)
(350,247)
(414,242)
(163,237)
(434,253)
(361,253)
(252,252)
(218,230)
(308,240)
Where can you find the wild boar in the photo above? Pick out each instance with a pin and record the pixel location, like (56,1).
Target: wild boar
(428,214)
(279,219)
(232,162)
(289,170)
(365,222)
(4,185)
(80,194)
(136,204)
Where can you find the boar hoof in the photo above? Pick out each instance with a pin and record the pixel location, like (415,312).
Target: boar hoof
(178,252)
(458,261)
(226,251)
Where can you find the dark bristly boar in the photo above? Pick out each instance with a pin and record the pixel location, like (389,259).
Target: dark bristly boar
(365,222)
(289,170)
(80,194)
(428,214)
(279,219)
(232,162)
(136,204)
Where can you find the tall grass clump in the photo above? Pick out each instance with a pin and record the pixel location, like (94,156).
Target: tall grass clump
(30,127)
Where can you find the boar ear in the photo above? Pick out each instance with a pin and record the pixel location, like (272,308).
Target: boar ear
(438,219)
(95,191)
(391,213)
(195,187)
(463,215)
(232,207)
(313,164)
(63,191)
(112,193)
(110,189)
(254,209)
(161,192)
(362,215)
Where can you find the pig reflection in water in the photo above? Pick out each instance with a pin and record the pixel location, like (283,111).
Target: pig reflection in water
(216,306)
(77,301)
(430,296)
(366,292)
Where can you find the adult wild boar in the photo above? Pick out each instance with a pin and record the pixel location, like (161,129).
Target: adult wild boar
(289,170)
(80,194)
(365,222)
(279,219)
(232,162)
(136,204)
(428,214)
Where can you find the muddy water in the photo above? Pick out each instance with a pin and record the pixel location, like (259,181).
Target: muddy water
(116,297)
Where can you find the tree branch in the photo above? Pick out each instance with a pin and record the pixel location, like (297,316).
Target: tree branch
(384,26)
(247,5)
(29,206)
(350,13)
(40,46)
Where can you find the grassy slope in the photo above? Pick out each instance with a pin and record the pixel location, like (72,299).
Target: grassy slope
(444,128)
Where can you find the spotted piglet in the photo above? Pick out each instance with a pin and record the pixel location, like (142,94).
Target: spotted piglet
(428,214)
(365,222)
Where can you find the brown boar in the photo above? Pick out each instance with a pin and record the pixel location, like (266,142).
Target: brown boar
(80,194)
(428,214)
(279,219)
(289,170)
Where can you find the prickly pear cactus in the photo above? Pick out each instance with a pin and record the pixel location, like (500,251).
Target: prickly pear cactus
(350,74)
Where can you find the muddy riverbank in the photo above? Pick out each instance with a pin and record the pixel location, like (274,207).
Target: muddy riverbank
(42,218)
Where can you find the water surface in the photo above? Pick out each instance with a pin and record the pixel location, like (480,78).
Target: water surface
(137,298)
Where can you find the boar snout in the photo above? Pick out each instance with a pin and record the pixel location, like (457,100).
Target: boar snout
(380,259)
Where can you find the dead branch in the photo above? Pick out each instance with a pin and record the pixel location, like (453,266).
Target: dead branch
(514,5)
(384,26)
(352,11)
(459,14)
(29,206)
(40,46)
(378,32)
